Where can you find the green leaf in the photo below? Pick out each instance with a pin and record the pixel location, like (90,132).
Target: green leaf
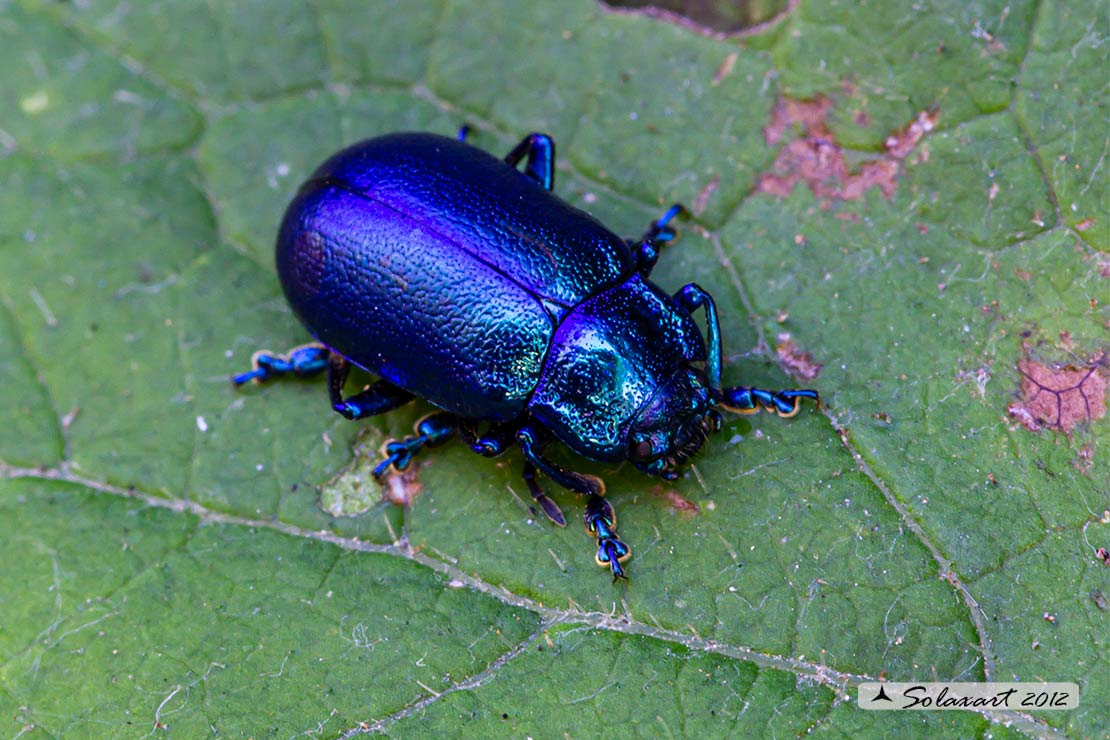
(184,559)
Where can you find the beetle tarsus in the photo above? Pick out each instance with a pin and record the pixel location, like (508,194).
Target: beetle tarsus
(601,522)
(300,362)
(610,553)
(646,249)
(659,231)
(432,430)
(744,400)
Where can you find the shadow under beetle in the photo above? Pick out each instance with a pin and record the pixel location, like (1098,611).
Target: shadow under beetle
(457,277)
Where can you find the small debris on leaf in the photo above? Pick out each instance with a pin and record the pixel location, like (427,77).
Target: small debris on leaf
(702,198)
(400,488)
(726,67)
(797,361)
(1085,458)
(677,501)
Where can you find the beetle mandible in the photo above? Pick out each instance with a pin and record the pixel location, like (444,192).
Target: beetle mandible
(457,277)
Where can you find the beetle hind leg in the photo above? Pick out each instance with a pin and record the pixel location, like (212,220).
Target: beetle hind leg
(300,362)
(379,398)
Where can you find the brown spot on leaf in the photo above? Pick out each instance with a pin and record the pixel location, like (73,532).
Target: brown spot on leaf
(1060,396)
(816,159)
(400,488)
(726,67)
(702,198)
(809,115)
(676,500)
(1085,224)
(1099,598)
(718,20)
(900,144)
(1084,459)
(797,361)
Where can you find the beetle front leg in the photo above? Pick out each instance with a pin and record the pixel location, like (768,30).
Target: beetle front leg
(300,362)
(550,508)
(532,442)
(692,297)
(496,440)
(598,517)
(540,149)
(379,398)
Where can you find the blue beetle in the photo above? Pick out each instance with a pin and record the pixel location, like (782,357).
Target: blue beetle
(457,277)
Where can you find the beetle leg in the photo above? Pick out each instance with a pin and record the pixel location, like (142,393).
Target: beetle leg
(646,250)
(430,431)
(300,362)
(744,400)
(532,446)
(659,232)
(692,297)
(540,149)
(497,439)
(382,396)
(740,399)
(550,508)
(601,522)
(464,131)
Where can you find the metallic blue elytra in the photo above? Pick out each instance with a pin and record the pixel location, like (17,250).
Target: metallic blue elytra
(454,276)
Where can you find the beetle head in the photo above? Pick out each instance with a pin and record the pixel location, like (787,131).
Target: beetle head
(673,425)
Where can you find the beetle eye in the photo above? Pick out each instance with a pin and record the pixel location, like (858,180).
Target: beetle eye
(642,449)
